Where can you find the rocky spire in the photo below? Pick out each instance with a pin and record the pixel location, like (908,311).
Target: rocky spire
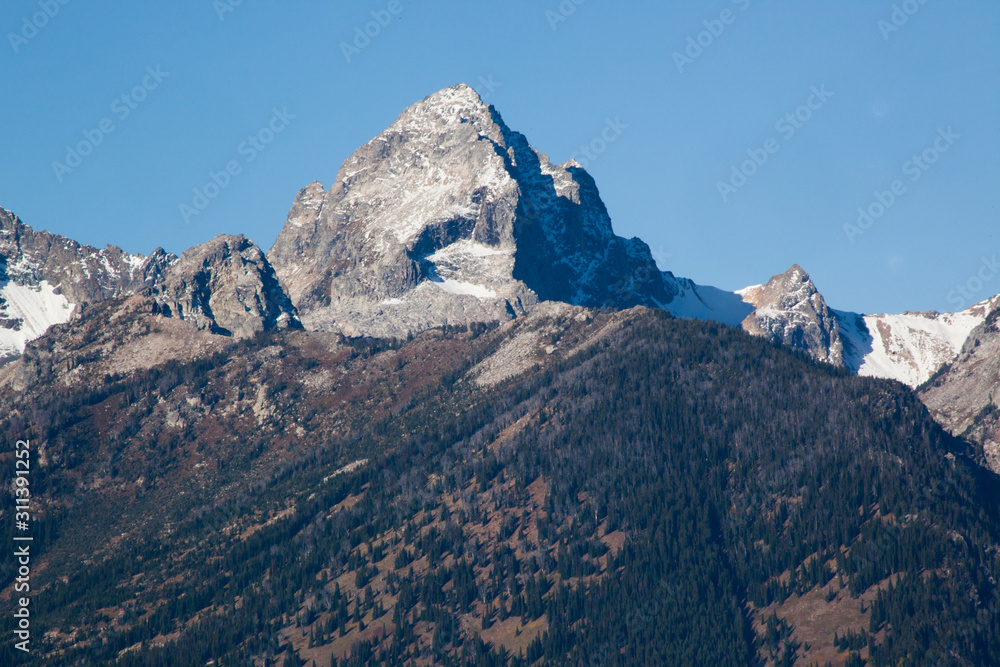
(226,286)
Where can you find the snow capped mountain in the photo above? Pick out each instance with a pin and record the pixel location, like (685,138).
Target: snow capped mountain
(44,276)
(909,347)
(449,216)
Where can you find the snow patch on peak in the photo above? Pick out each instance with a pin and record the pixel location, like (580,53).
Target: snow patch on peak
(456,105)
(460,93)
(465,247)
(26,312)
(459,287)
(134,261)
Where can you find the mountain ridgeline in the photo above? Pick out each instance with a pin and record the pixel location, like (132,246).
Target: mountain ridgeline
(450,418)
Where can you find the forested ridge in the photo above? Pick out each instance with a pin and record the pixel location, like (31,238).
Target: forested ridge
(648,491)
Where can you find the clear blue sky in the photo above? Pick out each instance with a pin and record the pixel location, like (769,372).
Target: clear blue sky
(556,81)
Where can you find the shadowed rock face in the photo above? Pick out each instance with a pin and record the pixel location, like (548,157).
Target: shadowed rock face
(449,217)
(225,286)
(964,396)
(789,310)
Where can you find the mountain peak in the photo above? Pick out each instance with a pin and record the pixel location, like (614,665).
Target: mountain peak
(226,286)
(796,271)
(461,94)
(448,216)
(444,113)
(795,275)
(7,219)
(791,311)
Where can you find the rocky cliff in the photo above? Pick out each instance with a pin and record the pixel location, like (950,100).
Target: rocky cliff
(225,286)
(964,396)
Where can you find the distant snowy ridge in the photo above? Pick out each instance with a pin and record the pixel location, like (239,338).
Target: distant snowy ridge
(908,347)
(702,302)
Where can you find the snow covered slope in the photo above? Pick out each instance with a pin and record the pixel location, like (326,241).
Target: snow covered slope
(26,312)
(910,347)
(703,302)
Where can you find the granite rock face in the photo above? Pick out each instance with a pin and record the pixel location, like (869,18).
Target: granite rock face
(789,310)
(450,217)
(82,273)
(225,286)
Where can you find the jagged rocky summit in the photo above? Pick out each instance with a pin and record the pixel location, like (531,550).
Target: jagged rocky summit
(790,310)
(43,276)
(225,285)
(449,217)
